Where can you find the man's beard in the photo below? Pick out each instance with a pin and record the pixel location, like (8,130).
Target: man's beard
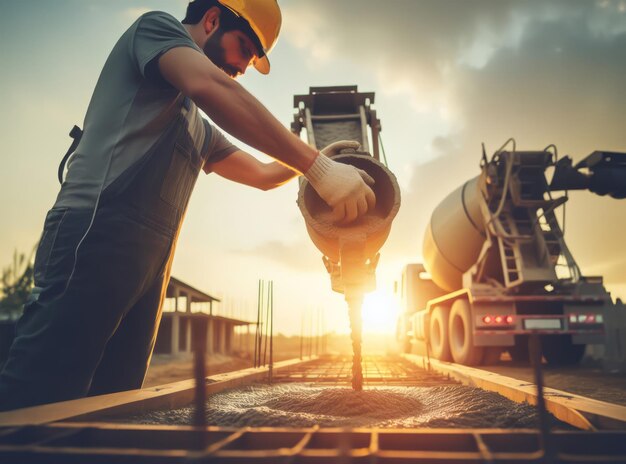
(215,52)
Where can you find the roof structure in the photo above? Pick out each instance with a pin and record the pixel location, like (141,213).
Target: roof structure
(196,295)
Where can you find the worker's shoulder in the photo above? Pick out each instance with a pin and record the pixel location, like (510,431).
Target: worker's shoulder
(159,17)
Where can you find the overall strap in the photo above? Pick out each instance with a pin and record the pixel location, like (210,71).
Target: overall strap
(76,133)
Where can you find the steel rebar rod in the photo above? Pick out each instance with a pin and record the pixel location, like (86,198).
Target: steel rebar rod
(267,324)
(271,330)
(258,318)
(544,420)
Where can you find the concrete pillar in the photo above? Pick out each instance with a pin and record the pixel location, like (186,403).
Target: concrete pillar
(175,332)
(248,340)
(222,337)
(228,336)
(210,335)
(187,303)
(176,296)
(188,344)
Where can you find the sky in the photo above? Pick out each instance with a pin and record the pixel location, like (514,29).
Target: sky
(448,76)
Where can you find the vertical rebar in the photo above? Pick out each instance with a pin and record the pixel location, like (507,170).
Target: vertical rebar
(267,323)
(248,351)
(199,329)
(534,347)
(326,334)
(271,330)
(260,322)
(317,333)
(310,341)
(258,318)
(301,334)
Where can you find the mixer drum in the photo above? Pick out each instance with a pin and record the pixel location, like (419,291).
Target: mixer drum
(454,236)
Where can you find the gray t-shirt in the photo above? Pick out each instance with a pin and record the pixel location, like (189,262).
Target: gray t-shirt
(131,106)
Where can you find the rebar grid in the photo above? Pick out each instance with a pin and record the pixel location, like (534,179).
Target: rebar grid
(377,370)
(114,443)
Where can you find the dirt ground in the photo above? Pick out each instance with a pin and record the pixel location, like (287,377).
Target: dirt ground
(171,368)
(585,380)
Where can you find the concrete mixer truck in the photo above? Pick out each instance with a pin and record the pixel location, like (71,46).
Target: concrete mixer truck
(497,268)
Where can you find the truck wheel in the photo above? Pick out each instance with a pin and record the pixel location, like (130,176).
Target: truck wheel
(404,342)
(461,336)
(438,334)
(560,351)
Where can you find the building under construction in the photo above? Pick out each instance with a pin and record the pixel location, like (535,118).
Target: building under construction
(189,306)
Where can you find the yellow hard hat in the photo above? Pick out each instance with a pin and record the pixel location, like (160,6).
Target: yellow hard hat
(265,19)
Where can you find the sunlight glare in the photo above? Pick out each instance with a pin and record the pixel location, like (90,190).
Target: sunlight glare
(380,312)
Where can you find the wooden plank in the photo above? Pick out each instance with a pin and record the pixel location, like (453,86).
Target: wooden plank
(172,395)
(579,411)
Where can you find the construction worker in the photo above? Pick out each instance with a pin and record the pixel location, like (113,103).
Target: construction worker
(104,259)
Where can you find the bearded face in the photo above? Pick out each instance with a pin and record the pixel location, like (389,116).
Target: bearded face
(232,51)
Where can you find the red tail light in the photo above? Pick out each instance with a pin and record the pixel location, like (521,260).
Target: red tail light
(498,320)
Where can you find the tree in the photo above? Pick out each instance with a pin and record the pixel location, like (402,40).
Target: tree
(17,282)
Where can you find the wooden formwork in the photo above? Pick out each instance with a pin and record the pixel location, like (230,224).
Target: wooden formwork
(34,435)
(171,396)
(579,411)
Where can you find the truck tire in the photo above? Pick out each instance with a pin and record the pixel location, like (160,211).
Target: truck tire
(560,351)
(438,339)
(461,336)
(404,342)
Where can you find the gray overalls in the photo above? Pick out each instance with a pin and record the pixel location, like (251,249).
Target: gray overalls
(100,279)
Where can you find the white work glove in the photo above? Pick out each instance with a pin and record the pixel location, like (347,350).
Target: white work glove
(343,187)
(336,147)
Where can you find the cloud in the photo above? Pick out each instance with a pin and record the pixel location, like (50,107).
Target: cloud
(563,84)
(416,47)
(541,71)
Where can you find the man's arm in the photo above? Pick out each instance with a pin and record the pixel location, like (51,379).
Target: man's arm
(236,111)
(233,108)
(244,168)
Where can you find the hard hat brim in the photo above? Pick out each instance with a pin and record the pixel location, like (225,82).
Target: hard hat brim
(262,65)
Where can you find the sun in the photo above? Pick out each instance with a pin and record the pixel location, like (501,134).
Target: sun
(380,312)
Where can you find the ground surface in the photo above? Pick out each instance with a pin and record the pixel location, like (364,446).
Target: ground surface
(167,368)
(587,381)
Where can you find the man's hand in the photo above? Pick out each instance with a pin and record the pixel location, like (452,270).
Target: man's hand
(344,187)
(336,147)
